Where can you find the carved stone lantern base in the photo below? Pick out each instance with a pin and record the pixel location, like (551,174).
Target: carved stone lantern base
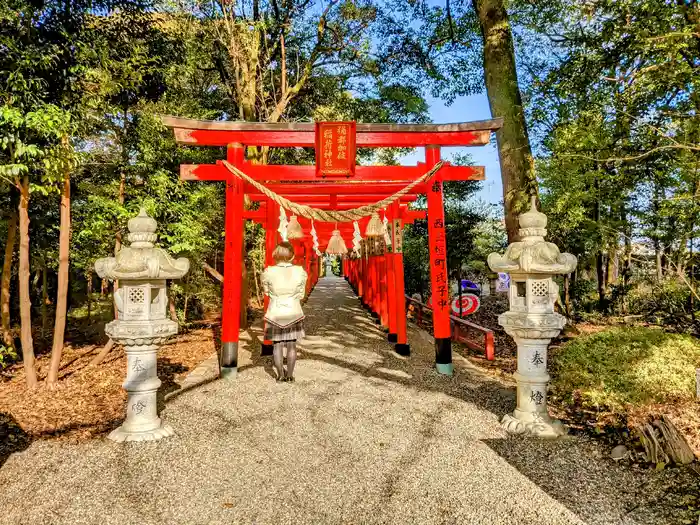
(142,422)
(539,426)
(122,433)
(532,334)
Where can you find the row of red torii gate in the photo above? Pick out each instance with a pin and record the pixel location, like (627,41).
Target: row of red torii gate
(337,183)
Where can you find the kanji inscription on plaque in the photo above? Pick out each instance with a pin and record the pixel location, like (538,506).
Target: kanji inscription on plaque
(335,149)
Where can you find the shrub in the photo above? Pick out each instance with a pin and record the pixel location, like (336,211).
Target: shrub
(620,366)
(7,356)
(666,302)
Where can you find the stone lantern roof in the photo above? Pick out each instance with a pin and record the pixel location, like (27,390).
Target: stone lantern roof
(141,260)
(532,254)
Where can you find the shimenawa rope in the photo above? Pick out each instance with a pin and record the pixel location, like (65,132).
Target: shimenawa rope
(332,215)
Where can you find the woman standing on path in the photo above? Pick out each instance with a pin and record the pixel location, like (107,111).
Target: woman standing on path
(285,285)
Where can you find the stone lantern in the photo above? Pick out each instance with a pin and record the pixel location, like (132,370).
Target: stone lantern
(531,319)
(141,324)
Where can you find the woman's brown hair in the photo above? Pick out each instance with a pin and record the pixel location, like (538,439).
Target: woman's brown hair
(284,252)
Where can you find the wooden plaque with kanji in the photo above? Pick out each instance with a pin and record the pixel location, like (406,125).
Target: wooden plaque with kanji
(335,149)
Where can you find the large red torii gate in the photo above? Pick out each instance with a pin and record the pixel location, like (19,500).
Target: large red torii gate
(377,275)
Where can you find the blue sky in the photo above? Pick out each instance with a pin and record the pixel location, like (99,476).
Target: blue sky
(465,109)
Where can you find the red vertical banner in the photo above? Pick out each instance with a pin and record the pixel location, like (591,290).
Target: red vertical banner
(335,149)
(438,267)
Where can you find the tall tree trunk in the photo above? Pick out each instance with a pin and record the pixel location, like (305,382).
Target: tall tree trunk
(611,272)
(121,199)
(25,302)
(600,275)
(89,296)
(172,309)
(659,196)
(627,261)
(517,166)
(7,338)
(187,299)
(600,258)
(59,327)
(44,302)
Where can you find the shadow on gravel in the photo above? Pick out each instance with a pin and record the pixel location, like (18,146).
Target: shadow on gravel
(167,372)
(12,437)
(573,472)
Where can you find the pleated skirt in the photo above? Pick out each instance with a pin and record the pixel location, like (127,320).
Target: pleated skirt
(288,333)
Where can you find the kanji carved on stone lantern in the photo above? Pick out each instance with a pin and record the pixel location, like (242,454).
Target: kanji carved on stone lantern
(141,325)
(531,319)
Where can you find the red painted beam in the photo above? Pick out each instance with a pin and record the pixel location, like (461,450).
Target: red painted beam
(289,189)
(342,199)
(408,216)
(307,139)
(412,215)
(308,173)
(349,205)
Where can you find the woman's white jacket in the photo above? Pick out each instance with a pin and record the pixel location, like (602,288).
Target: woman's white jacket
(285,285)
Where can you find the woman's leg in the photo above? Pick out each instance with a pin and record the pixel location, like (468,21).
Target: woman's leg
(291,357)
(278,358)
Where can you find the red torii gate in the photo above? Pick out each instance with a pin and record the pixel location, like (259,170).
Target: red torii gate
(377,275)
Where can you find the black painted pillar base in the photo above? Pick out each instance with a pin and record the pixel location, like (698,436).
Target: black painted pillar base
(443,355)
(403,349)
(266,349)
(392,338)
(229,359)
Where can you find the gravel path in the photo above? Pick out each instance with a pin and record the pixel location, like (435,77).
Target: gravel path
(363,437)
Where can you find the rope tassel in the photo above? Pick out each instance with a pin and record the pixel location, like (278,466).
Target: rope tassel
(336,245)
(374,226)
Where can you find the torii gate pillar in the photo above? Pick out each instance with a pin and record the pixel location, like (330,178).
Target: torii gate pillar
(231,310)
(442,331)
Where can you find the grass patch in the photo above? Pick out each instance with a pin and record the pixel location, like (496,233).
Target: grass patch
(626,366)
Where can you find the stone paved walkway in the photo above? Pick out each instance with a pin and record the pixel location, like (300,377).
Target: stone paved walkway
(363,437)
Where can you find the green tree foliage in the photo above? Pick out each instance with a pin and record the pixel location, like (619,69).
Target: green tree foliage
(613,98)
(82,86)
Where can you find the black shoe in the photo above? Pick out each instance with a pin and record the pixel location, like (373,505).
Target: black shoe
(289,379)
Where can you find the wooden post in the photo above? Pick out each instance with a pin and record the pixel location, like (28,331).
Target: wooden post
(383,285)
(373,286)
(402,347)
(390,279)
(438,268)
(231,314)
